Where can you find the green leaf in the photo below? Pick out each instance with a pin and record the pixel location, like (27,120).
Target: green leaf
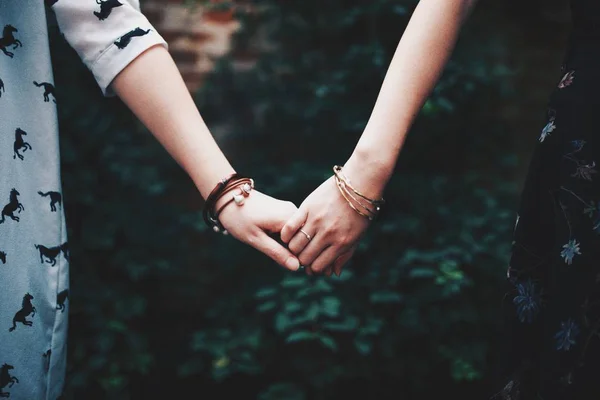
(421,273)
(292,306)
(268,306)
(282,322)
(293,281)
(282,391)
(328,342)
(363,346)
(300,336)
(265,292)
(350,323)
(313,311)
(117,326)
(322,285)
(331,306)
(385,297)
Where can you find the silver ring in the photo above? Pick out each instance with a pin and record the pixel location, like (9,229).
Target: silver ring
(306,234)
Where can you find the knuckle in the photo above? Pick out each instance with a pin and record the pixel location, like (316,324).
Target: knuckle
(318,218)
(273,252)
(345,240)
(294,248)
(251,240)
(330,230)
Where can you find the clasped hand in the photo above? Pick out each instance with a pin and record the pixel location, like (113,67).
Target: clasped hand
(321,235)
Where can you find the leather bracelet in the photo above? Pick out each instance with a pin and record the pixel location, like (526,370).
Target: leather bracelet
(244,185)
(214,196)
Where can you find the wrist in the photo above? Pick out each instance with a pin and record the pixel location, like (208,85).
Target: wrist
(208,180)
(368,173)
(233,189)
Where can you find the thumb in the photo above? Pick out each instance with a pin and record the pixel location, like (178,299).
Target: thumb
(276,251)
(279,214)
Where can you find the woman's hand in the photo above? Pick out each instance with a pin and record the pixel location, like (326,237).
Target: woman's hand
(261,214)
(325,231)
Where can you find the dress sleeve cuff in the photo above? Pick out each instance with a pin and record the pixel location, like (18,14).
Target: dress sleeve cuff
(121,53)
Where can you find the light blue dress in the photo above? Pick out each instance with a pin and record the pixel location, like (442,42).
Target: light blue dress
(34,254)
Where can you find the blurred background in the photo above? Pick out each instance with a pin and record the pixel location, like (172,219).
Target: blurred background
(163,308)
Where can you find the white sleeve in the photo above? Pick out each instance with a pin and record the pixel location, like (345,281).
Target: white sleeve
(107,34)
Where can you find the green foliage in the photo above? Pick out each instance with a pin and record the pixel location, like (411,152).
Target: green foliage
(161,305)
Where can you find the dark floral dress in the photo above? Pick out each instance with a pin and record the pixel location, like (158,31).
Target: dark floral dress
(553,305)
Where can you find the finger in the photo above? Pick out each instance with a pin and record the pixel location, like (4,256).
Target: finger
(279,216)
(328,271)
(325,260)
(293,224)
(312,250)
(309,271)
(339,263)
(277,252)
(300,240)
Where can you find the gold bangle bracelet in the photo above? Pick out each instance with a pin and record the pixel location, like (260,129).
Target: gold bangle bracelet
(337,170)
(341,184)
(352,205)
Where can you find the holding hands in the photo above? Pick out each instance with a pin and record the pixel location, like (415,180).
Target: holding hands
(321,235)
(327,227)
(251,224)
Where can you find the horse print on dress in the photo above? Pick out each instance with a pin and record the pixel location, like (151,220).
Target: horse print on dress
(20,143)
(52,252)
(55,198)
(26,309)
(8,39)
(106,8)
(2,257)
(12,206)
(60,300)
(50,3)
(2,90)
(126,38)
(6,379)
(48,90)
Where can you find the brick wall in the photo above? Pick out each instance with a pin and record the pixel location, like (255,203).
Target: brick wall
(197,36)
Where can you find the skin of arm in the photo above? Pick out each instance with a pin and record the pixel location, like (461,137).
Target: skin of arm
(152,87)
(417,64)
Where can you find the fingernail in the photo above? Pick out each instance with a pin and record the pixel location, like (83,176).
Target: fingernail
(292,263)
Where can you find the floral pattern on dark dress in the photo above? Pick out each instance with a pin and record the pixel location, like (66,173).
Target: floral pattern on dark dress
(552,308)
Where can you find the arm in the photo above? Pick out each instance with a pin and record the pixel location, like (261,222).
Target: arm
(129,58)
(153,89)
(420,58)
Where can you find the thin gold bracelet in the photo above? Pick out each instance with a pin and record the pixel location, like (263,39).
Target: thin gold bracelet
(342,185)
(343,192)
(337,170)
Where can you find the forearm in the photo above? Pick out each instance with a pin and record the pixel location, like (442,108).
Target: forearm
(153,89)
(419,60)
